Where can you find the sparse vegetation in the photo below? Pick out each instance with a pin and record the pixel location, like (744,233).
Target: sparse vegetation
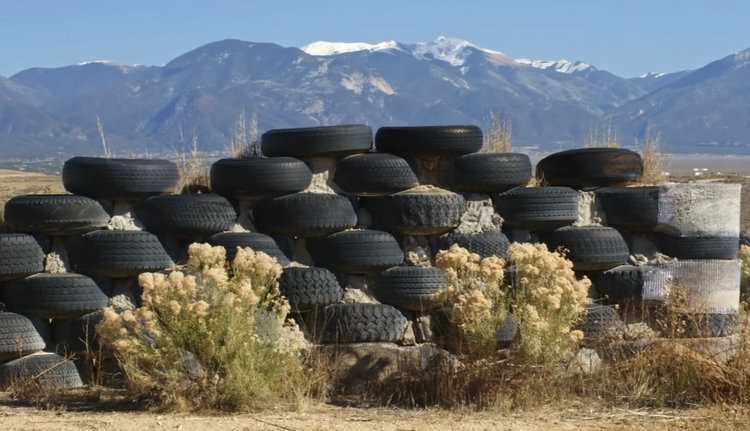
(244,143)
(654,161)
(193,168)
(213,336)
(602,136)
(499,137)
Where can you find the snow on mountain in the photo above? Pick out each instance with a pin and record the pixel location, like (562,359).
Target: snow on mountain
(562,66)
(654,75)
(323,48)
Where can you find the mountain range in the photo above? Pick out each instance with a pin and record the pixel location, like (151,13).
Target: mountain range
(200,95)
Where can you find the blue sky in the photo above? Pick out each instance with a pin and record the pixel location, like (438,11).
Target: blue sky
(625,37)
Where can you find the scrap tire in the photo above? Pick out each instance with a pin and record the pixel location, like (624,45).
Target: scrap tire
(590,248)
(418,213)
(305,215)
(374,174)
(590,167)
(18,337)
(119,254)
(54,214)
(429,140)
(620,284)
(77,335)
(310,288)
(357,251)
(687,247)
(101,178)
(630,207)
(256,241)
(537,208)
(259,177)
(491,172)
(20,255)
(600,321)
(362,323)
(51,371)
(187,216)
(485,244)
(309,142)
(411,288)
(60,296)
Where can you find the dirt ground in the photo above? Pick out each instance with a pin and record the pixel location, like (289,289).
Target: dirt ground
(576,416)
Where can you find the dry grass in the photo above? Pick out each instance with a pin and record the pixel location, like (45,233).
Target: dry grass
(603,136)
(194,170)
(499,137)
(244,143)
(654,161)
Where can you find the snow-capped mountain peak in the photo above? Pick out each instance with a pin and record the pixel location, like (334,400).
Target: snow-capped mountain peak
(654,75)
(449,49)
(324,48)
(562,66)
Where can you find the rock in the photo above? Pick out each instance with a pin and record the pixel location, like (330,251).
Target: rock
(585,361)
(423,329)
(589,211)
(357,289)
(124,294)
(641,243)
(699,209)
(323,170)
(409,339)
(480,215)
(417,250)
(362,364)
(57,261)
(191,364)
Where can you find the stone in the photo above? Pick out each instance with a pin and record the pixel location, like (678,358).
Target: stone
(480,215)
(423,329)
(361,364)
(124,294)
(585,361)
(323,170)
(57,261)
(417,250)
(409,339)
(357,289)
(641,243)
(590,212)
(699,209)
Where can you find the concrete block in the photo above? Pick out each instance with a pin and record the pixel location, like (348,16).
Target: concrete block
(699,209)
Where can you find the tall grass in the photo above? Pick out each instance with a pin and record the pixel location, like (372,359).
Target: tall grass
(654,160)
(499,136)
(244,142)
(192,166)
(602,136)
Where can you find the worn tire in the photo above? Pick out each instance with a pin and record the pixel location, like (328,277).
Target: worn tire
(118,254)
(590,248)
(374,174)
(305,215)
(630,207)
(411,288)
(362,323)
(491,173)
(256,241)
(77,335)
(317,141)
(259,177)
(187,216)
(54,214)
(600,321)
(101,178)
(310,288)
(485,244)
(429,140)
(620,284)
(61,296)
(688,247)
(537,208)
(357,251)
(590,167)
(20,255)
(18,337)
(50,371)
(418,213)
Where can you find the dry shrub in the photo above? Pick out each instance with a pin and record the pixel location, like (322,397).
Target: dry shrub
(603,136)
(193,168)
(654,161)
(745,259)
(244,143)
(213,336)
(499,137)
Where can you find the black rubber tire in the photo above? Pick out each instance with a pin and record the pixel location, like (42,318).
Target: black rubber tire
(687,247)
(18,337)
(61,296)
(101,178)
(357,251)
(620,284)
(48,370)
(317,141)
(537,208)
(305,215)
(421,213)
(485,244)
(362,323)
(412,288)
(429,140)
(187,216)
(590,167)
(256,241)
(630,207)
(77,335)
(119,254)
(310,288)
(20,255)
(491,172)
(374,174)
(590,248)
(54,214)
(519,235)
(600,321)
(259,177)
